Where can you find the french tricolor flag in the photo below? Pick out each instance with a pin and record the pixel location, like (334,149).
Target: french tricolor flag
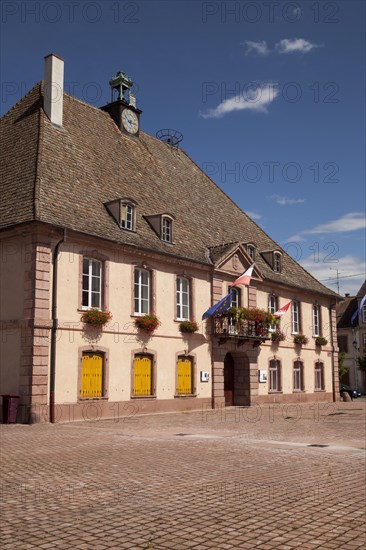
(282,310)
(245,278)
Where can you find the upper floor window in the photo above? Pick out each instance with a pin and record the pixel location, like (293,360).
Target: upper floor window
(183,298)
(127,216)
(277,262)
(251,251)
(92,283)
(141,292)
(166,229)
(364,313)
(295,317)
(235,302)
(343,343)
(272,308)
(316,320)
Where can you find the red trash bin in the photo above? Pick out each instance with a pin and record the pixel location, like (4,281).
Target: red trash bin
(10,408)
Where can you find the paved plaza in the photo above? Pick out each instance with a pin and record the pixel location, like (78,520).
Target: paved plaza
(261,477)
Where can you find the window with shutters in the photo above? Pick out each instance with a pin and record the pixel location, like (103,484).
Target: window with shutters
(92,375)
(185,375)
(143,376)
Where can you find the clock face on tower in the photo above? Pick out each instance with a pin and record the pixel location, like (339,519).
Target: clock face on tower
(130,121)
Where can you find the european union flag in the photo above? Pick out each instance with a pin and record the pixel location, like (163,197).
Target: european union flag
(220,307)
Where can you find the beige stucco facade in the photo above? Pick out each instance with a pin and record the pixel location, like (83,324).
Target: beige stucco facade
(26,322)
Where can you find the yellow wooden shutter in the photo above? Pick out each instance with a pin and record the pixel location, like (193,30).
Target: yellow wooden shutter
(92,375)
(184,375)
(142,378)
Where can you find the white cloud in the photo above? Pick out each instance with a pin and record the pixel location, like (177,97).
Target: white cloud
(295,239)
(349,222)
(284,201)
(258,47)
(254,215)
(256,99)
(293,45)
(351,271)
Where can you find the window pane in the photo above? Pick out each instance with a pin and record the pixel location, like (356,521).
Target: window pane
(95,284)
(85,282)
(85,266)
(95,299)
(96,268)
(85,302)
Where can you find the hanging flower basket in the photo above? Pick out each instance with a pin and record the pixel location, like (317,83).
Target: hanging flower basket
(301,339)
(321,341)
(188,326)
(147,323)
(278,336)
(96,317)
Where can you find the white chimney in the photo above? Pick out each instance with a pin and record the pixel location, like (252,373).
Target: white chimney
(53,88)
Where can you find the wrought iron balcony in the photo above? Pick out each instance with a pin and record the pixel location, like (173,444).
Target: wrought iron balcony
(243,330)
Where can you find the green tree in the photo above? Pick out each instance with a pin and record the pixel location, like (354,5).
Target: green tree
(361,360)
(341,368)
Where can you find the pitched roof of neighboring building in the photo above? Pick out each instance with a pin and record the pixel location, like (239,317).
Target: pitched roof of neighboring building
(345,310)
(361,293)
(65,176)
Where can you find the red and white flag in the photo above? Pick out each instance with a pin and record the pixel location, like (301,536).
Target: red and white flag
(282,310)
(245,278)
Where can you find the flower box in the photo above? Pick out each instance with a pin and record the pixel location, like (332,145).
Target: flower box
(188,327)
(321,341)
(301,339)
(147,323)
(278,336)
(96,317)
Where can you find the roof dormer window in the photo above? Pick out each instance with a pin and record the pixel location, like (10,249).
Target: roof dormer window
(127,216)
(277,262)
(251,251)
(166,229)
(123,211)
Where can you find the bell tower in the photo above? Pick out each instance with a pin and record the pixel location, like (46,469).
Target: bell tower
(123,108)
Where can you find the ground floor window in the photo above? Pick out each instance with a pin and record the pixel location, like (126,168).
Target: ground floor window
(298,376)
(92,374)
(184,375)
(319,375)
(274,375)
(143,375)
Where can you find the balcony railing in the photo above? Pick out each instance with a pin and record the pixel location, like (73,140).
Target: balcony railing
(226,327)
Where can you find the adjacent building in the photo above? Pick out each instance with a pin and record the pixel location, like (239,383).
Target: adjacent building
(351,335)
(95,213)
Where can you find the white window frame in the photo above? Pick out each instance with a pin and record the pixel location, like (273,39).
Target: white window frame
(272,308)
(141,304)
(236,301)
(295,317)
(128,221)
(363,316)
(92,278)
(166,229)
(183,299)
(316,320)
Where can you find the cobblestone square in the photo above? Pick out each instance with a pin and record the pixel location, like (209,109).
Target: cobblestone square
(281,476)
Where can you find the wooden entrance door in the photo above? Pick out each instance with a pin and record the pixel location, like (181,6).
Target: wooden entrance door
(229,380)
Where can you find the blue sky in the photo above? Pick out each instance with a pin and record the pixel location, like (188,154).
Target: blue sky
(269,97)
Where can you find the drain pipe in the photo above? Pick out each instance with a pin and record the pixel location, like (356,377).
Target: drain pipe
(54,328)
(332,305)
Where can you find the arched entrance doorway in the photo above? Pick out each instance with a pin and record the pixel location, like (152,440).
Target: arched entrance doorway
(229,377)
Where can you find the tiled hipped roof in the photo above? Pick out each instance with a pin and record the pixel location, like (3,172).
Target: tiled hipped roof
(65,176)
